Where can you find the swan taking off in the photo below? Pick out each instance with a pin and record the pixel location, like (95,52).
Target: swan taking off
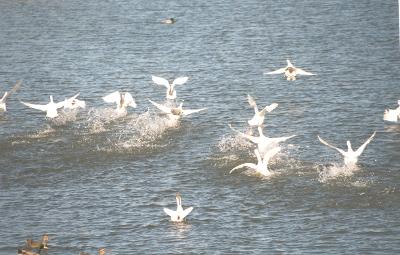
(175,113)
(350,156)
(73,103)
(262,163)
(7,94)
(171,92)
(122,99)
(290,71)
(259,116)
(263,142)
(179,214)
(50,108)
(392,115)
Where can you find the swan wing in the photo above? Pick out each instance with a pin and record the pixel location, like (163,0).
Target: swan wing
(187,112)
(186,212)
(270,107)
(362,147)
(282,139)
(302,72)
(180,81)
(269,154)
(249,165)
(170,212)
(114,97)
(13,90)
(331,146)
(251,101)
(279,71)
(3,99)
(161,107)
(36,106)
(160,81)
(129,101)
(249,137)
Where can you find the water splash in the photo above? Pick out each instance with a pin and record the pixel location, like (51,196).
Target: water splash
(233,143)
(129,133)
(334,171)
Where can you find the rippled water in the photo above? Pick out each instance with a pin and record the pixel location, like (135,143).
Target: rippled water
(90,180)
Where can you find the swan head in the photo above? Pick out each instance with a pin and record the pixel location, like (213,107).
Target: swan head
(51,99)
(291,69)
(178,199)
(348,145)
(289,64)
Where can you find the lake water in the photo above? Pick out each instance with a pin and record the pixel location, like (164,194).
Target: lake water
(90,180)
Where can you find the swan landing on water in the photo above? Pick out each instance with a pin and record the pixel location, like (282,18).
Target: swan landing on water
(171,92)
(180,214)
(50,108)
(350,156)
(262,163)
(175,113)
(122,99)
(290,71)
(259,116)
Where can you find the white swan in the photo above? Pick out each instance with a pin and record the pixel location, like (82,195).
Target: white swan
(290,71)
(350,156)
(175,112)
(263,142)
(122,99)
(180,214)
(50,108)
(171,92)
(73,103)
(262,163)
(392,115)
(8,94)
(259,116)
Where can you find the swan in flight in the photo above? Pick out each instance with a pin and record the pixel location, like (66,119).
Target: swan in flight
(392,115)
(263,142)
(122,99)
(259,116)
(175,112)
(171,92)
(290,71)
(179,214)
(262,163)
(350,156)
(50,108)
(7,94)
(73,103)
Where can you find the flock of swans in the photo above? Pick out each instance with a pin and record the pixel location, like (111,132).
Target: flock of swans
(266,147)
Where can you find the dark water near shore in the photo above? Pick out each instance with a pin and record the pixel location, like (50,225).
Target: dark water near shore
(90,181)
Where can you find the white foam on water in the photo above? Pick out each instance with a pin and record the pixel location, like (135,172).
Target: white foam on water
(233,143)
(335,171)
(134,132)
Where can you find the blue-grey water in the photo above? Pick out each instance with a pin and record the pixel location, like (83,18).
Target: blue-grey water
(91,181)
